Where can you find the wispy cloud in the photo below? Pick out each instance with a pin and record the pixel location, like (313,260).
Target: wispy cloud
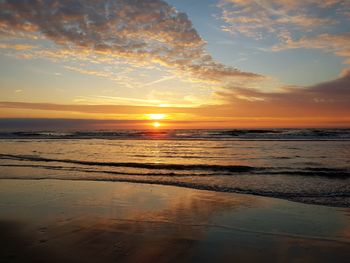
(337,44)
(16,46)
(324,100)
(94,109)
(290,24)
(165,78)
(280,18)
(143,31)
(114,100)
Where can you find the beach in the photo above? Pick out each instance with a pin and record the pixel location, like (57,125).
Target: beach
(90,221)
(174,131)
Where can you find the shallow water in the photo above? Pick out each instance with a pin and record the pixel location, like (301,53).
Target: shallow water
(311,170)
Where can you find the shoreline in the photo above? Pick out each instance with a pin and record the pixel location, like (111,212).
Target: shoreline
(94,221)
(180,185)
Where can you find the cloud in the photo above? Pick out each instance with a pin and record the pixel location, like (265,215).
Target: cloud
(291,24)
(16,46)
(261,18)
(144,31)
(327,99)
(93,109)
(324,100)
(337,44)
(119,77)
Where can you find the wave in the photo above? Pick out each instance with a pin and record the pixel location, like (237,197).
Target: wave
(191,169)
(206,167)
(89,170)
(306,184)
(211,134)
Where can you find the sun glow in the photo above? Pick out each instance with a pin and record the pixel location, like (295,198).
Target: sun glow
(156,116)
(156,124)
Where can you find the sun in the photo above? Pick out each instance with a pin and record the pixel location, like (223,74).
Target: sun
(158,116)
(156,124)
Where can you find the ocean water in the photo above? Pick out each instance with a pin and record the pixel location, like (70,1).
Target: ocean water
(303,165)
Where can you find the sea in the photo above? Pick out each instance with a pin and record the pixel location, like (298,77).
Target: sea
(301,165)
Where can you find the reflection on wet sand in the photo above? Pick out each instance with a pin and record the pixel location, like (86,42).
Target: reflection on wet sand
(56,221)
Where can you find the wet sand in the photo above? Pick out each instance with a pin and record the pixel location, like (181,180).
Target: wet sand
(89,221)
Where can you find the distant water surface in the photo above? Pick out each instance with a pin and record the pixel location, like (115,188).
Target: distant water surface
(305,165)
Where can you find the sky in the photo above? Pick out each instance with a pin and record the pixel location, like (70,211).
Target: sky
(176,63)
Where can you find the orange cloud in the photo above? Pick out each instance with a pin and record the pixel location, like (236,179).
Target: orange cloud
(328,99)
(326,102)
(16,46)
